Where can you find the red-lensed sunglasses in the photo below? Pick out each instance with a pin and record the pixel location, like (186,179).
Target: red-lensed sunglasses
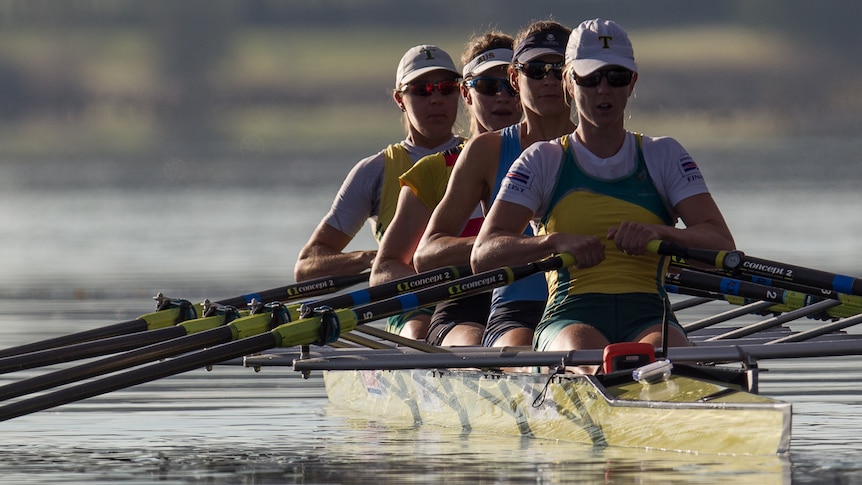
(427,89)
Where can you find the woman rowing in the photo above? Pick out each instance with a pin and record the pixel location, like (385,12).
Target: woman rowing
(426,84)
(536,73)
(493,104)
(602,193)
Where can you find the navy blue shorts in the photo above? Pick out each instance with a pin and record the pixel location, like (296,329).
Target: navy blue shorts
(511,315)
(455,312)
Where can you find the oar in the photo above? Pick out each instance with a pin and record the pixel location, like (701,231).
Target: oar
(323,328)
(170,312)
(123,343)
(726,287)
(774,271)
(786,285)
(791,305)
(119,343)
(785,300)
(222,326)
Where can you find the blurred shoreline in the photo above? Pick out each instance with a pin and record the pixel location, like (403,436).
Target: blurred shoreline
(144,81)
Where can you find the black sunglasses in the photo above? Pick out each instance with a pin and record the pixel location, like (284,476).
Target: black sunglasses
(538,70)
(427,89)
(489,86)
(617,78)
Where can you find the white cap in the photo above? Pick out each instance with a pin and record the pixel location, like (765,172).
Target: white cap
(486,60)
(597,43)
(421,59)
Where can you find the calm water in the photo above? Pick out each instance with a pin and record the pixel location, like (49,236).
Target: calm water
(88,245)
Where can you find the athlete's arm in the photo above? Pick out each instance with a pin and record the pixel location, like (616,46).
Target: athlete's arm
(395,256)
(442,245)
(322,255)
(501,241)
(705,228)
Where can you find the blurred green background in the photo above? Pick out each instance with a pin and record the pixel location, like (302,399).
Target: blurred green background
(204,78)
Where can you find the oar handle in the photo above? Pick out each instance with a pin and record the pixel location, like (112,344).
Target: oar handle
(728,260)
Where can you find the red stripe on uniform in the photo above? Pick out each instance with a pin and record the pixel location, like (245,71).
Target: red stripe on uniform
(473,226)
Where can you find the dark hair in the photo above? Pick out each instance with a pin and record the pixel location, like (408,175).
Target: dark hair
(539,26)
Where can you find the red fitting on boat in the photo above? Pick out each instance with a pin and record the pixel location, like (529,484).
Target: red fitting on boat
(627,355)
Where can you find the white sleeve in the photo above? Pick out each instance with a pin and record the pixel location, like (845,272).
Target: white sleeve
(532,177)
(674,172)
(359,196)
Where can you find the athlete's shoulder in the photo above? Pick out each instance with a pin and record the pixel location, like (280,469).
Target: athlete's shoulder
(484,140)
(428,165)
(542,150)
(658,142)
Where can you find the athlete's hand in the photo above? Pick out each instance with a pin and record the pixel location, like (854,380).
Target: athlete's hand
(587,250)
(632,237)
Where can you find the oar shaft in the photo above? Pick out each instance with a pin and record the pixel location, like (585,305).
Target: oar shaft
(461,287)
(253,337)
(737,261)
(194,360)
(117,362)
(174,340)
(120,343)
(131,326)
(172,316)
(388,289)
(741,292)
(85,350)
(786,285)
(735,287)
(296,291)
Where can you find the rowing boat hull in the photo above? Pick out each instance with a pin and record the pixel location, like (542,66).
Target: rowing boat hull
(576,408)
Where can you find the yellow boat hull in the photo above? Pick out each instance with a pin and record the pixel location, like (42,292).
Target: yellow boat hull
(681,414)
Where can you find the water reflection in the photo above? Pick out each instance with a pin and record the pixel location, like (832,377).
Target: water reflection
(78,256)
